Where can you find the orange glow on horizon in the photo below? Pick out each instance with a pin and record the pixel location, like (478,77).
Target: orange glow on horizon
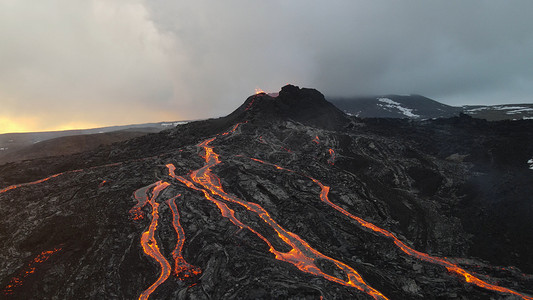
(17,124)
(34,124)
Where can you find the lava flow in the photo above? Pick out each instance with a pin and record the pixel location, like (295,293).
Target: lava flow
(141,195)
(17,281)
(148,241)
(15,186)
(302,255)
(468,277)
(12,187)
(332,157)
(182,269)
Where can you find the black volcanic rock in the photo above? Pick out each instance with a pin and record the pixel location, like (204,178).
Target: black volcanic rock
(303,105)
(456,188)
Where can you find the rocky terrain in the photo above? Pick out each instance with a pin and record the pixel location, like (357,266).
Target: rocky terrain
(285,198)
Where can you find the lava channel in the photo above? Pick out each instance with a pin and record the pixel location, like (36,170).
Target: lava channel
(148,241)
(332,157)
(15,186)
(182,269)
(451,267)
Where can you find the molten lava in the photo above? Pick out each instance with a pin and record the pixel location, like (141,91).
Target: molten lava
(12,187)
(259,91)
(17,281)
(316,140)
(332,156)
(453,268)
(148,241)
(15,186)
(182,269)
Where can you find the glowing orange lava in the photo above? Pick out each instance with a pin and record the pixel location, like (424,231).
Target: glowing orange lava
(148,241)
(249,106)
(15,186)
(12,187)
(332,156)
(453,268)
(182,269)
(141,195)
(230,131)
(316,140)
(17,281)
(259,91)
(302,255)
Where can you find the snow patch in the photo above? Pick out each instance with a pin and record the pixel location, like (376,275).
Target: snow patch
(174,123)
(477,109)
(530,163)
(521,110)
(393,104)
(508,109)
(527,118)
(501,107)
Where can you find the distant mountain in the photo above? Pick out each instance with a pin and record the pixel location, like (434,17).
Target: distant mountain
(29,145)
(500,112)
(395,106)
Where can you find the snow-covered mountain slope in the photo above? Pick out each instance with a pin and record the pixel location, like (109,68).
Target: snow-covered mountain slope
(395,106)
(420,108)
(501,112)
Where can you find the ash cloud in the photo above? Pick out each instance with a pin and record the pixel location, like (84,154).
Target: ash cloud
(111,62)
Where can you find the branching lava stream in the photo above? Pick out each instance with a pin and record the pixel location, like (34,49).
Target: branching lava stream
(451,267)
(182,269)
(302,255)
(149,243)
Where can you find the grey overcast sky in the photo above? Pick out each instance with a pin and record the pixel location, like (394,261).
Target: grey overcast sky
(87,63)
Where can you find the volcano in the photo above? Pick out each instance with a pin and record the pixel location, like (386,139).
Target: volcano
(285,198)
